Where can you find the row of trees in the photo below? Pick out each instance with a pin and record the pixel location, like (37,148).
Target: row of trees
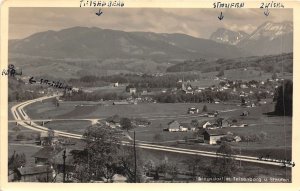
(95,96)
(138,81)
(206,96)
(266,63)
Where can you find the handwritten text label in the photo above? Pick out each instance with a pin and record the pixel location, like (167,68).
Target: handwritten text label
(218,5)
(91,3)
(273,4)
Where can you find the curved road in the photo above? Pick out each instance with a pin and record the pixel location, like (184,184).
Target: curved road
(21,116)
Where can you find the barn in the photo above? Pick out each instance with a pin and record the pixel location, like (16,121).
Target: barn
(212,136)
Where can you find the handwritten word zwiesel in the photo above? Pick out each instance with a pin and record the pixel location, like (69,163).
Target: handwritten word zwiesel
(265,5)
(218,5)
(56,84)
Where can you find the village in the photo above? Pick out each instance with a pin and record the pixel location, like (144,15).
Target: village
(167,97)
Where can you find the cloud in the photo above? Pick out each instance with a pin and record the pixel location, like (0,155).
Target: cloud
(193,21)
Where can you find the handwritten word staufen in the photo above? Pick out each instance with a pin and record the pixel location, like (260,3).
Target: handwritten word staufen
(56,84)
(218,5)
(90,3)
(11,71)
(273,4)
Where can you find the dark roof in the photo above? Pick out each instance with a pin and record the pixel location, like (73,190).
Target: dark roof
(214,132)
(47,152)
(34,170)
(188,125)
(173,122)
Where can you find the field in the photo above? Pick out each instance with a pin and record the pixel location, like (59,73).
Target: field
(278,129)
(277,144)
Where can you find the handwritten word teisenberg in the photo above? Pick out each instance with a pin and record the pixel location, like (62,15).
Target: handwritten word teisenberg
(96,3)
(218,5)
(56,84)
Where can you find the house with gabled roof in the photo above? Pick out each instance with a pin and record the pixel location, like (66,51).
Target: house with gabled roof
(34,174)
(173,126)
(204,124)
(213,136)
(45,154)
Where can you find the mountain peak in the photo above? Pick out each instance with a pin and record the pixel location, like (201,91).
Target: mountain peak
(226,36)
(272,30)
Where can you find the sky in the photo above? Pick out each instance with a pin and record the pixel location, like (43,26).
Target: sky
(197,22)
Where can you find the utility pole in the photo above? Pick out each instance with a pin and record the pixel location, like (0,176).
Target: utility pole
(134,152)
(240,156)
(64,166)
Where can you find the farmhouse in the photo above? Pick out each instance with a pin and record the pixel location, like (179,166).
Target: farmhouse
(212,136)
(173,126)
(132,90)
(34,174)
(45,140)
(193,110)
(210,114)
(217,101)
(116,84)
(114,121)
(187,89)
(186,127)
(205,124)
(45,154)
(225,123)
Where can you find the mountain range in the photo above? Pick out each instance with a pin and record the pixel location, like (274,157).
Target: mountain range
(83,42)
(81,51)
(268,38)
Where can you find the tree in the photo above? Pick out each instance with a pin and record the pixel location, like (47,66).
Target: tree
(55,102)
(127,165)
(221,73)
(16,161)
(204,109)
(148,167)
(274,76)
(243,101)
(262,135)
(224,165)
(172,170)
(284,104)
(101,153)
(50,136)
(126,124)
(104,156)
(195,165)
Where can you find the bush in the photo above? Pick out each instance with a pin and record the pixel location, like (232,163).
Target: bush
(204,109)
(21,136)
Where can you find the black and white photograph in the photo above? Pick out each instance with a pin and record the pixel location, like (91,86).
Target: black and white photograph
(149,95)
